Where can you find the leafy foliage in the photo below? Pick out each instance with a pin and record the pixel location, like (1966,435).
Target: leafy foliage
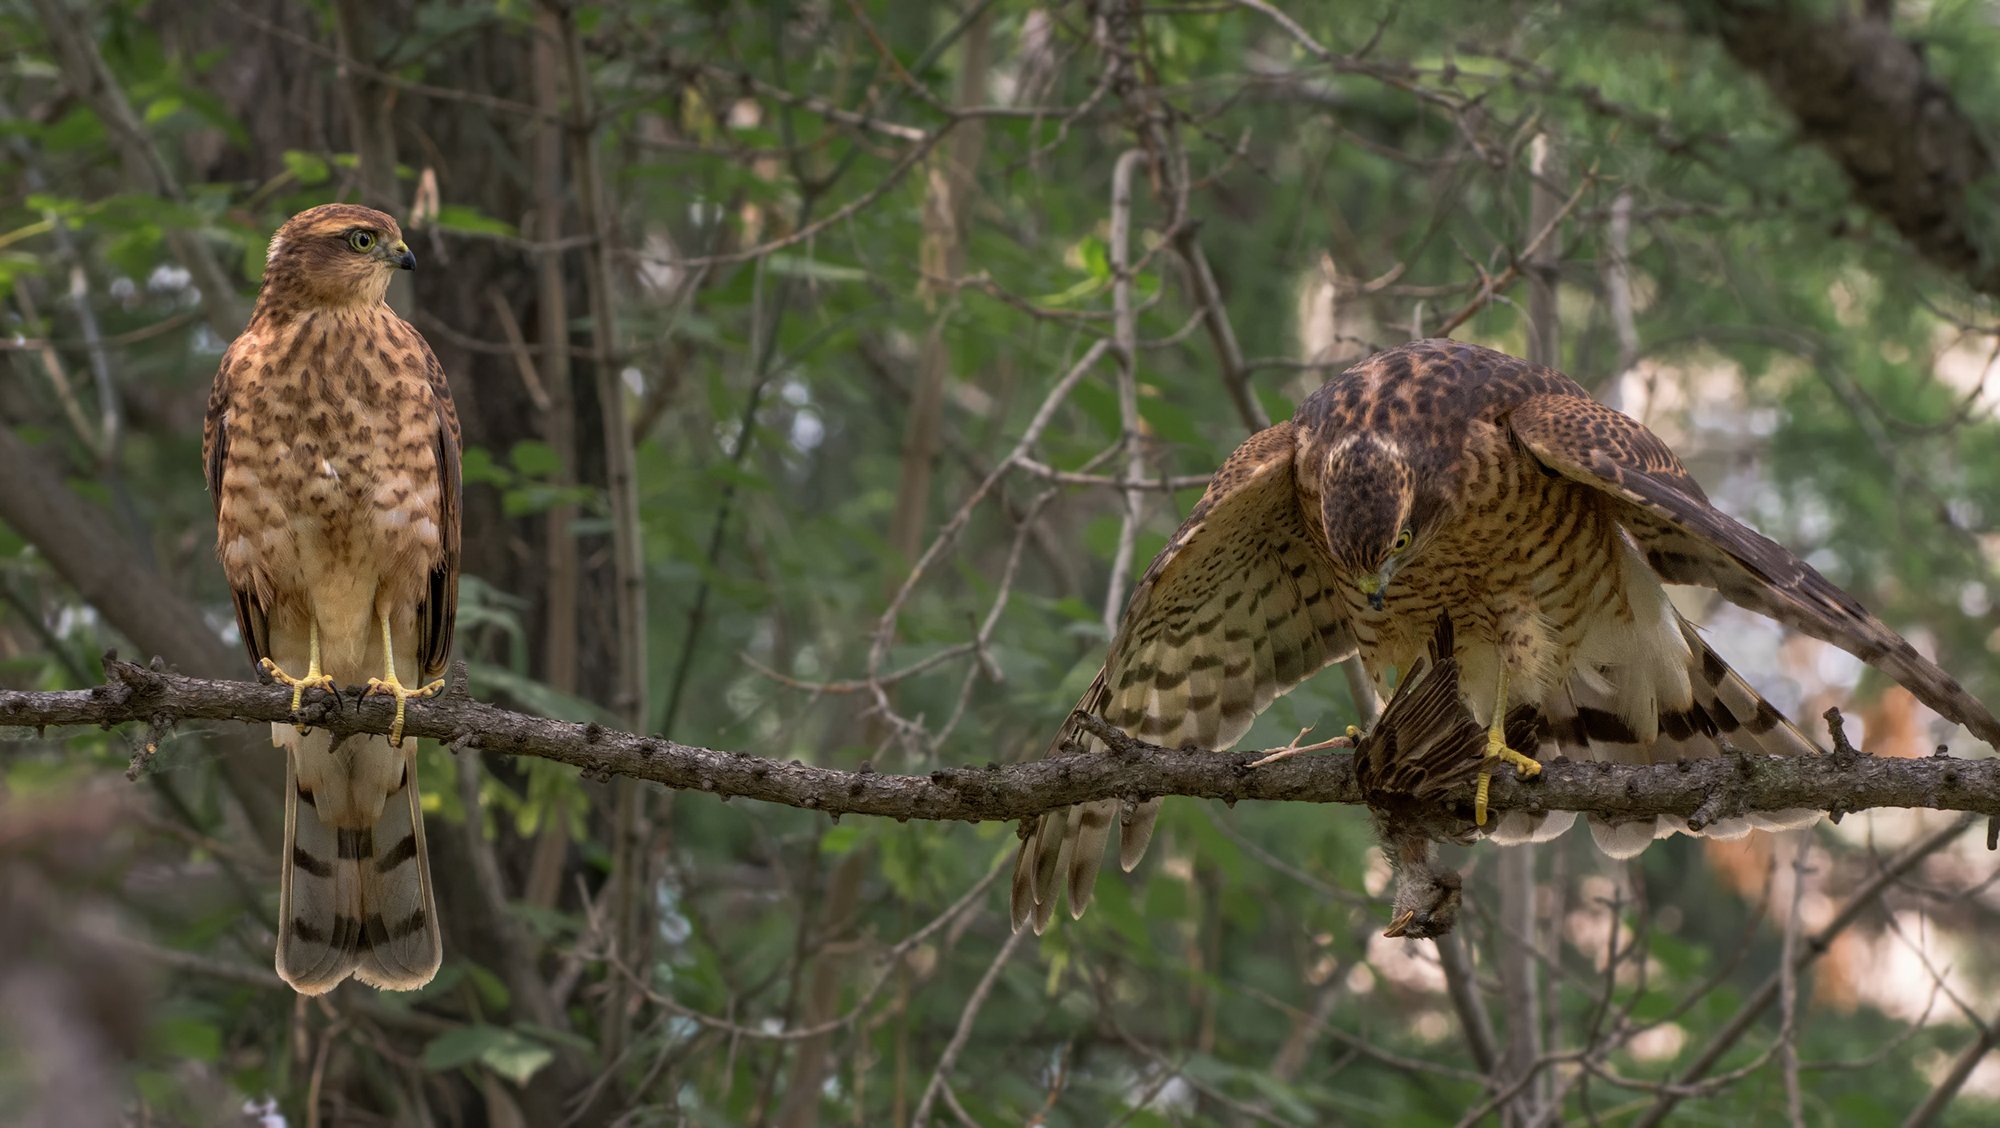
(840,298)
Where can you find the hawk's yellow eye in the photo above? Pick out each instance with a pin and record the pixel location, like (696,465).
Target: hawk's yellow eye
(1403,540)
(360,240)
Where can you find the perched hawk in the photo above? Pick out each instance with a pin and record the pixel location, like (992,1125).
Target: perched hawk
(333,460)
(1441,476)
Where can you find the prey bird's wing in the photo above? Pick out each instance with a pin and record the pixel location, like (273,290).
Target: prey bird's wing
(1425,745)
(438,611)
(1426,742)
(1240,606)
(1687,540)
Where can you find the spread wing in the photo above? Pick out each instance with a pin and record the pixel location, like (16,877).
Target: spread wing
(251,617)
(1239,607)
(1689,541)
(438,612)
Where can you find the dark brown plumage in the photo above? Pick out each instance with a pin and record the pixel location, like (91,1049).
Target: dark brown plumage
(1444,477)
(332,453)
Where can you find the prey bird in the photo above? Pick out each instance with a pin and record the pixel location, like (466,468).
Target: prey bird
(1440,477)
(332,453)
(1424,747)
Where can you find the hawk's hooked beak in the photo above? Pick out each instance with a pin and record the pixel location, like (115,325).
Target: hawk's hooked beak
(1371,586)
(401,256)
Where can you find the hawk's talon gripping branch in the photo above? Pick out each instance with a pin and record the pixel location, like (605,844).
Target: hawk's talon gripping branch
(314,678)
(390,685)
(1496,749)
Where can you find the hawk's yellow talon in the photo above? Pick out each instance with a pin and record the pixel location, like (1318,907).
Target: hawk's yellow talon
(1524,765)
(1354,732)
(392,686)
(314,679)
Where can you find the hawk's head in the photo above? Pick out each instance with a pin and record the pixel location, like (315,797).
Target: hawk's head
(1373,506)
(334,255)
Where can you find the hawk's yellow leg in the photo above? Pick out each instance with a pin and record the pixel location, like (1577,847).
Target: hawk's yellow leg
(314,679)
(1496,749)
(393,686)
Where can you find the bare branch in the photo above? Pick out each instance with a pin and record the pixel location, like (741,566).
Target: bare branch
(1842,782)
(1863,94)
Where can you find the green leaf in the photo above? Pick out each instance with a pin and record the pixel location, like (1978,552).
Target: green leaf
(840,840)
(476,465)
(1096,258)
(492,991)
(459,217)
(537,697)
(798,266)
(163,108)
(188,1038)
(307,168)
(508,1053)
(534,459)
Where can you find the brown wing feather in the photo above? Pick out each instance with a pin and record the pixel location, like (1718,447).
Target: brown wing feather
(1426,742)
(438,613)
(1689,541)
(1239,607)
(252,620)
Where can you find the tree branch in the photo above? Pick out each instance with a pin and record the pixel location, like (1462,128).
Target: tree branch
(1702,789)
(1863,94)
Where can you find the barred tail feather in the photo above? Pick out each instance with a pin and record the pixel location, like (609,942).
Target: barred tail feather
(319,895)
(401,946)
(353,899)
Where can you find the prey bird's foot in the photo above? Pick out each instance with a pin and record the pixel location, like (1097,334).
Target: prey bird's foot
(393,687)
(1525,766)
(313,680)
(1297,749)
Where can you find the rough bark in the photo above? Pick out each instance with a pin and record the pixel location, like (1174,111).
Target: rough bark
(1702,790)
(1864,94)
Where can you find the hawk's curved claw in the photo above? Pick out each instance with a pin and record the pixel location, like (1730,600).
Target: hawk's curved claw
(392,687)
(1526,766)
(313,679)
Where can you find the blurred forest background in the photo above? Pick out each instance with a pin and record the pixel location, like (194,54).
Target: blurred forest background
(921,325)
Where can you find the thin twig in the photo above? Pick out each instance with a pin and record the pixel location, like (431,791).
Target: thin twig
(963,1034)
(1815,946)
(1125,332)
